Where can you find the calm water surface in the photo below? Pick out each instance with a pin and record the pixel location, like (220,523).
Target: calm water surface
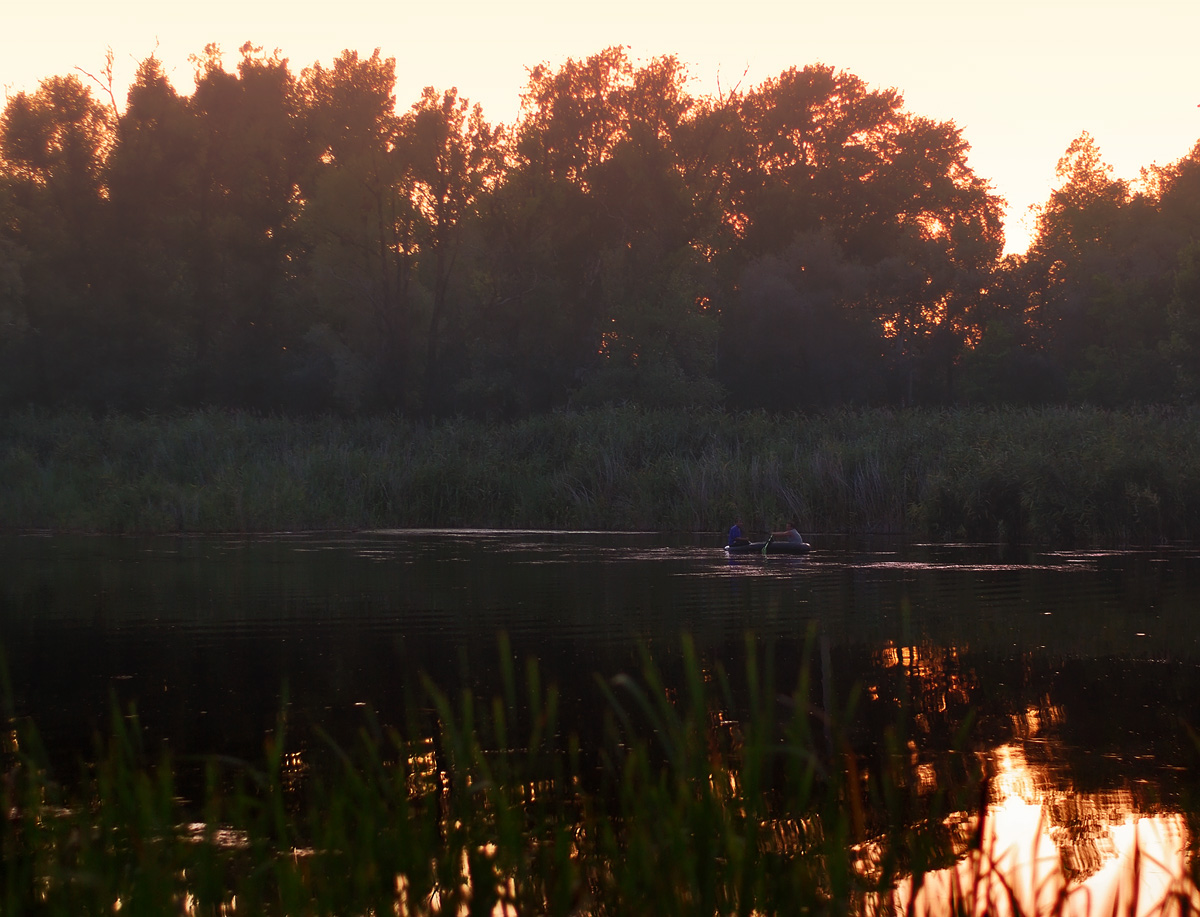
(1081,668)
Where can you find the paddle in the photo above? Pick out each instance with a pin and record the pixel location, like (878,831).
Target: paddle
(767,543)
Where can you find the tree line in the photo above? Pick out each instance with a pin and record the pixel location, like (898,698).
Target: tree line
(298,242)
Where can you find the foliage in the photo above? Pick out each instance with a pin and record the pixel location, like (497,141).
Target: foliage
(703,796)
(1052,475)
(295,242)
(275,241)
(1098,290)
(697,792)
(891,197)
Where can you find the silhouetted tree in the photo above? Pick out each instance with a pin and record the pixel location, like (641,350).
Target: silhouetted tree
(358,239)
(1100,283)
(450,157)
(53,145)
(280,242)
(808,341)
(153,178)
(251,158)
(821,153)
(597,285)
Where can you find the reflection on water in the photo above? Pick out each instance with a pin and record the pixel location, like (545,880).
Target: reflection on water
(1045,849)
(1079,669)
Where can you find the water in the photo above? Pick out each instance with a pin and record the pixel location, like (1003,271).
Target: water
(1082,669)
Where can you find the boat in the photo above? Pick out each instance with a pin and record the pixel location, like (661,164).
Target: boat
(770,546)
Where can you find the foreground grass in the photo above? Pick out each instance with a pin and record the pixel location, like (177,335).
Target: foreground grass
(700,800)
(694,804)
(1052,475)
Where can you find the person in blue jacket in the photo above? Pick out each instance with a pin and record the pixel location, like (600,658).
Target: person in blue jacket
(736,535)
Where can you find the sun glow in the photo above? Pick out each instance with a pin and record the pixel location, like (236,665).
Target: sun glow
(1032,861)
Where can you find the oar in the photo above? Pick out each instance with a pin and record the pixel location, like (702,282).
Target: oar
(767,543)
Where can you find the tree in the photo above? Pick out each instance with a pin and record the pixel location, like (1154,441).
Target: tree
(251,160)
(1082,209)
(601,288)
(356,223)
(573,118)
(1100,270)
(14,318)
(823,154)
(1183,345)
(52,149)
(450,157)
(803,341)
(812,136)
(1009,364)
(153,175)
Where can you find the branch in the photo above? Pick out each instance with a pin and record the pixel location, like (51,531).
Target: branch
(107,83)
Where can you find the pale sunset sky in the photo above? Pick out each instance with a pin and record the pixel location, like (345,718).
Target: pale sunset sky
(1021,78)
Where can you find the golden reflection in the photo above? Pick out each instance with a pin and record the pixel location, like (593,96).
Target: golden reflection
(1047,849)
(1042,846)
(422,776)
(888,657)
(935,676)
(292,771)
(927,778)
(1033,720)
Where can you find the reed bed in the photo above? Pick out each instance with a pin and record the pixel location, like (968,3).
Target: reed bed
(1042,475)
(701,798)
(696,803)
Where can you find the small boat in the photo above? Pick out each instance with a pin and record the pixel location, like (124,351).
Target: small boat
(770,546)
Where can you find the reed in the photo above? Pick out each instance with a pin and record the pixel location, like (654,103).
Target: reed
(703,798)
(1053,475)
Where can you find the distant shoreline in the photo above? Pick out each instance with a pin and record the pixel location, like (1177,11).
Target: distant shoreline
(1059,476)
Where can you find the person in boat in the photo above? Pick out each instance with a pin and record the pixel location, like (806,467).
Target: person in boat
(789,534)
(736,535)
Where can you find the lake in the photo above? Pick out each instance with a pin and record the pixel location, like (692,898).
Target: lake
(1081,669)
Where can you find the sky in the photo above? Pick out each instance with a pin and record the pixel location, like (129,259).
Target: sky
(1021,78)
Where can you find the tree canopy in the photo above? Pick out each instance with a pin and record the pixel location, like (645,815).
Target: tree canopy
(302,241)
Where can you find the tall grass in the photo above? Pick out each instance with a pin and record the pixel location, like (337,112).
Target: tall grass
(1054,475)
(696,803)
(703,799)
